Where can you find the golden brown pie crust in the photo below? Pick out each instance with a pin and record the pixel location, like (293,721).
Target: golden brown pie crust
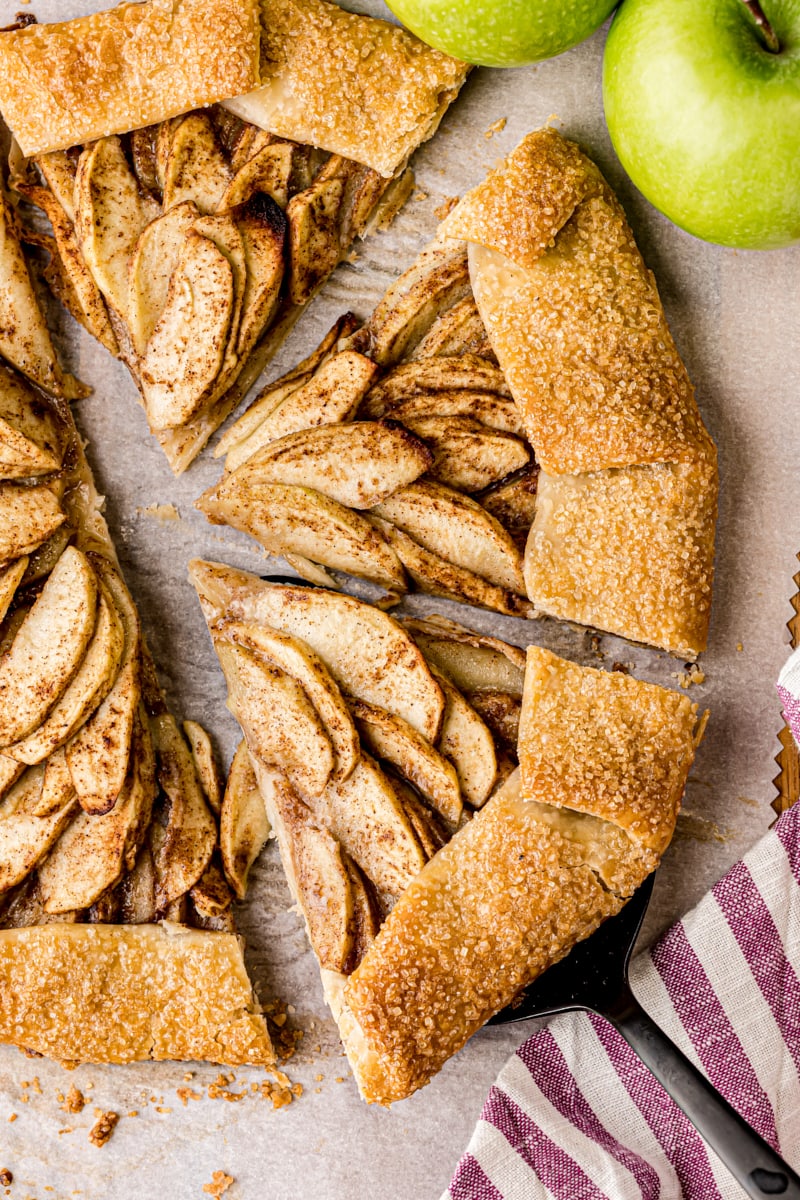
(347,83)
(123,993)
(129,66)
(623,536)
(604,743)
(630,550)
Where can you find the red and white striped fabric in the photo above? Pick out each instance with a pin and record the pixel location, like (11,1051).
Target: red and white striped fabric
(789,692)
(576,1116)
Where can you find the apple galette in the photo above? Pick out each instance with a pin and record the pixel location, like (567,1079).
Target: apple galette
(513,425)
(436,876)
(190,246)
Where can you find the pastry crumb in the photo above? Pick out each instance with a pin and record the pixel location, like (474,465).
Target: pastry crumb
(220,1091)
(12,1117)
(496,127)
(284,1037)
(160,512)
(74,1101)
(280,1097)
(691,675)
(6,1177)
(282,1092)
(186,1094)
(103,1128)
(220,1182)
(739,647)
(446,207)
(420,195)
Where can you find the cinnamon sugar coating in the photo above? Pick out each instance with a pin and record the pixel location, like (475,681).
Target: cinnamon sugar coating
(129,66)
(347,83)
(123,993)
(519,208)
(593,367)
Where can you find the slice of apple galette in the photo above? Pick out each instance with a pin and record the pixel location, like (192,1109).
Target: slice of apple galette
(452,818)
(190,247)
(117,938)
(512,427)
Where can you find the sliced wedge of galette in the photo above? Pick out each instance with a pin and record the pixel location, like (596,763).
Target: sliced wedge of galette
(452,818)
(117,938)
(512,427)
(189,247)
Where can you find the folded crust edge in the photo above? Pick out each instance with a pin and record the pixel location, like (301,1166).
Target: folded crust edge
(129,993)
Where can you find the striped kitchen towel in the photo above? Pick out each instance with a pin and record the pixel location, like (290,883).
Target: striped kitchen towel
(576,1116)
(789,692)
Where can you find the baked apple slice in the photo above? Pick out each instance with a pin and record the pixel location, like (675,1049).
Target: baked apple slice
(243,823)
(395,676)
(357,464)
(295,659)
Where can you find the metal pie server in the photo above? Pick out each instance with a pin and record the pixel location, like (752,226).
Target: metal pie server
(594,976)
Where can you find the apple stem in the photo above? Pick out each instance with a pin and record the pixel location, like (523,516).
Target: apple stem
(767,32)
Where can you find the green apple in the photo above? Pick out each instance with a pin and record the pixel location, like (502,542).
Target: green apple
(705,116)
(502,33)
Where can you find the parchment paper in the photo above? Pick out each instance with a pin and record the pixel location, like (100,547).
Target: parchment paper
(736,317)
